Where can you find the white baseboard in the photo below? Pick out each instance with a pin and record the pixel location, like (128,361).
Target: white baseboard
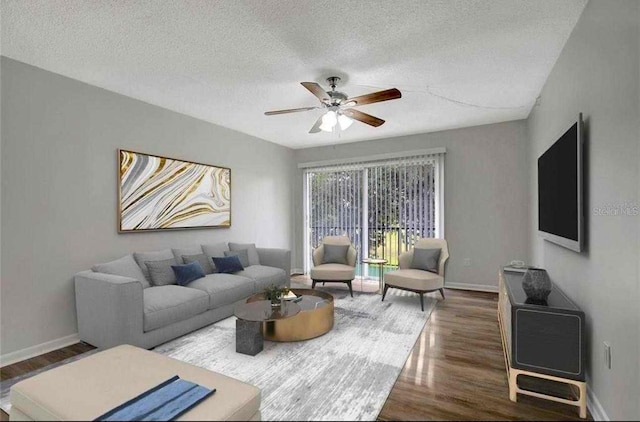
(474,287)
(594,406)
(297,271)
(38,349)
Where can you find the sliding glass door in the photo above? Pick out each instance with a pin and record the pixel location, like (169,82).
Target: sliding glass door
(335,205)
(401,208)
(384,206)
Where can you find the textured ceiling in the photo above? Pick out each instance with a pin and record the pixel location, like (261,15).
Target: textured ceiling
(229,61)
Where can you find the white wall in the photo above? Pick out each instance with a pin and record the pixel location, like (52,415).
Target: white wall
(597,74)
(486,199)
(59,142)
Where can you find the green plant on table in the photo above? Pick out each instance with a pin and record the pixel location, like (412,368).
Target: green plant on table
(275,293)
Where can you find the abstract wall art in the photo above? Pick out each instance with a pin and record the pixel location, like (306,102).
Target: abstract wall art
(159,193)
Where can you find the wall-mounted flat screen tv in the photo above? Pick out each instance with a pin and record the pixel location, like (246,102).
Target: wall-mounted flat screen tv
(560,218)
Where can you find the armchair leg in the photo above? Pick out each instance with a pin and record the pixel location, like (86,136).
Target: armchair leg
(422,301)
(313,284)
(350,289)
(442,293)
(384,292)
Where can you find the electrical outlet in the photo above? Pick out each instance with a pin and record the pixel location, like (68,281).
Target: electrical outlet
(466,262)
(607,355)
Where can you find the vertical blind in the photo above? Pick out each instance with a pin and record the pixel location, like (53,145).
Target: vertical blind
(384,206)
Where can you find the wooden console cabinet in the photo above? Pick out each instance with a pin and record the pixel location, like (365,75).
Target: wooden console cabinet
(542,340)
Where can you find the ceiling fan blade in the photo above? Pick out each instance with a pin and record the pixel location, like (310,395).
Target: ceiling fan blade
(363,117)
(316,126)
(316,90)
(290,110)
(376,97)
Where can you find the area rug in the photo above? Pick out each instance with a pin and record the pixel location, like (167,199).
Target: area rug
(346,374)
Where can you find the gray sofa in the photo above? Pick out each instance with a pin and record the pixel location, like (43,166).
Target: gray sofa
(117,304)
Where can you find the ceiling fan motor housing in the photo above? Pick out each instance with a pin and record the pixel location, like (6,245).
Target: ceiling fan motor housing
(337,97)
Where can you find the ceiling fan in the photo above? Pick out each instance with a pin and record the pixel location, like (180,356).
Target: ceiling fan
(339,106)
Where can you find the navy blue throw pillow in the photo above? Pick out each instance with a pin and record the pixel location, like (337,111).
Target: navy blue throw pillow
(187,273)
(228,264)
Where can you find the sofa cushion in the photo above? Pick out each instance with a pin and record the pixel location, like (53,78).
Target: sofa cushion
(161,272)
(264,276)
(165,305)
(414,279)
(215,249)
(205,262)
(125,267)
(141,257)
(333,272)
(228,265)
(179,252)
(252,251)
(224,289)
(243,256)
(186,273)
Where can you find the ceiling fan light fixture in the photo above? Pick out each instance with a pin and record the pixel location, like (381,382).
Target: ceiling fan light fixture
(344,121)
(329,121)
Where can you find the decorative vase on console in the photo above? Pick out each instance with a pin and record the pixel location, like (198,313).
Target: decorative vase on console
(536,284)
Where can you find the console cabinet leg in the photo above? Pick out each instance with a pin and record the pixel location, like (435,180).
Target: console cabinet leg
(513,386)
(583,400)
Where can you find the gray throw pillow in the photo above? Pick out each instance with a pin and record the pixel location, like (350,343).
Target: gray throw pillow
(124,267)
(243,256)
(204,260)
(426,259)
(254,259)
(161,272)
(335,254)
(142,257)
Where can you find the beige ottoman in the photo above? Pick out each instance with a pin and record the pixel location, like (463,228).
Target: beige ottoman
(90,387)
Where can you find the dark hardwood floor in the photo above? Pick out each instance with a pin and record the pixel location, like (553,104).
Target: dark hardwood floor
(38,362)
(455,371)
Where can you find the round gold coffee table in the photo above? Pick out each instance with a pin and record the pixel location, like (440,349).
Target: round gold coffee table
(314,319)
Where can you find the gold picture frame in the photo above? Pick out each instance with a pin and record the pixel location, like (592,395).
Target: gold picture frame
(157,193)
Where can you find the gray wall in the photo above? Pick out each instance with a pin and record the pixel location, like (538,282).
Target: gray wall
(59,142)
(486,199)
(597,74)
